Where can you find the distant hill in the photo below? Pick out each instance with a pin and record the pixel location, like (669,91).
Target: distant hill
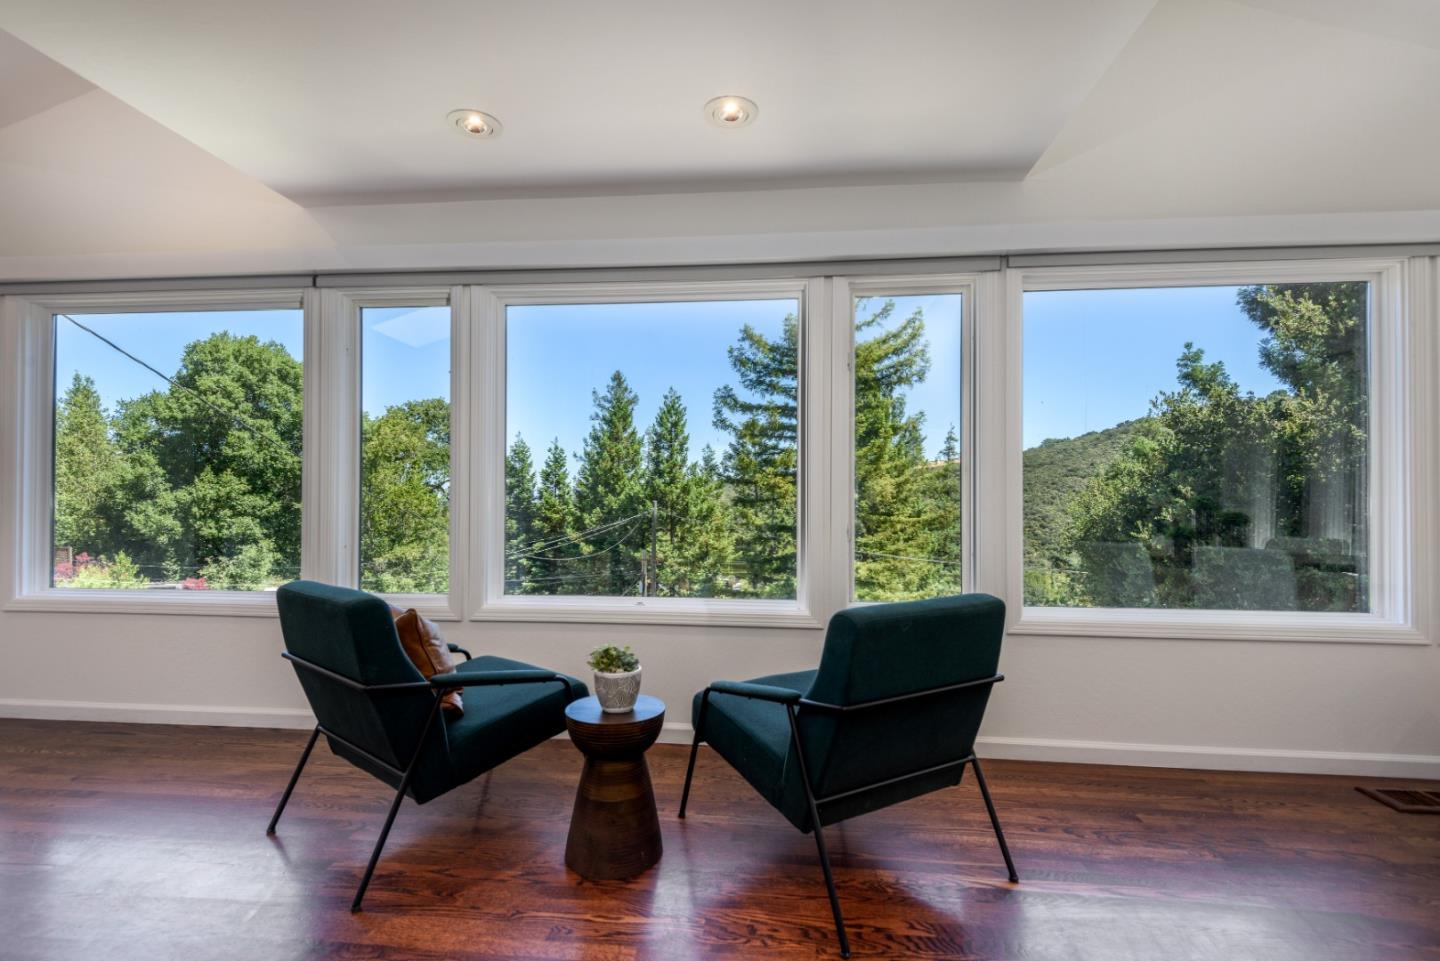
(1055,471)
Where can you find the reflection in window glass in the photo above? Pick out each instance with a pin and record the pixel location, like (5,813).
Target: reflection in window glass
(907,447)
(405,450)
(177,450)
(1197,447)
(653,449)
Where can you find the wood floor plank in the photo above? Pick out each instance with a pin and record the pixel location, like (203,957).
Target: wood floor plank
(147,842)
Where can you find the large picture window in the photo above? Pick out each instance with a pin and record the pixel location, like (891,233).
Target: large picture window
(177,450)
(652,449)
(907,373)
(1198,447)
(405,450)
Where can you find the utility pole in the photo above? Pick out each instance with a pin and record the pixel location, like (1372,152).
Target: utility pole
(654,545)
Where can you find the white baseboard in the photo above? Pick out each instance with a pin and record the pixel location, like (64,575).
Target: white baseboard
(298,718)
(1275,760)
(1426,766)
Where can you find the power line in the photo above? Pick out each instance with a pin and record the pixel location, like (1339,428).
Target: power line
(233,416)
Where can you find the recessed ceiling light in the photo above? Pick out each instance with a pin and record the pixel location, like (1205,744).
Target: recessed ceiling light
(731,111)
(474,123)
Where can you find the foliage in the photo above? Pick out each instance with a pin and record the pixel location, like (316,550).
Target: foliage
(1222,499)
(614,660)
(405,498)
(203,476)
(97,573)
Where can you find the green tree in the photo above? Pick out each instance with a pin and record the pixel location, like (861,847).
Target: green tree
(610,491)
(405,498)
(691,543)
(87,468)
(762,458)
(1216,470)
(520,504)
(553,549)
(210,468)
(906,537)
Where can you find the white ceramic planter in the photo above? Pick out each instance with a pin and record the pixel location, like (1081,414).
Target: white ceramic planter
(617,692)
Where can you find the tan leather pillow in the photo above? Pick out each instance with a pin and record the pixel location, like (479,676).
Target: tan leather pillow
(428,652)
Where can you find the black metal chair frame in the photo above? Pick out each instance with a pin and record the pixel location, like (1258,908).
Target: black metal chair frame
(439,687)
(792,705)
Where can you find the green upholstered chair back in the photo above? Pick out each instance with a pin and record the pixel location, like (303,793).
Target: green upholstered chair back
(889,650)
(353,634)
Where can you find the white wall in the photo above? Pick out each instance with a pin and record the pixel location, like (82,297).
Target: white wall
(1362,709)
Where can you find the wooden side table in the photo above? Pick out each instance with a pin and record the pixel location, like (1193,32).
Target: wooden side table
(614,830)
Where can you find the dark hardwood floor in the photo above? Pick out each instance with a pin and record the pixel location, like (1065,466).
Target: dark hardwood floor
(145,842)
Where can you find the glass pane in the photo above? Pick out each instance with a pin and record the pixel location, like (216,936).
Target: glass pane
(652,449)
(177,450)
(907,447)
(1197,447)
(405,450)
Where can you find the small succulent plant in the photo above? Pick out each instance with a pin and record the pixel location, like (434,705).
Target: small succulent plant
(614,660)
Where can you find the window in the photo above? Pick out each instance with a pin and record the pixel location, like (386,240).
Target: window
(177,450)
(907,417)
(405,450)
(1198,447)
(652,448)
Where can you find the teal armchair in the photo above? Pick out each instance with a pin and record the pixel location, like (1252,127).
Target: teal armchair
(890,714)
(380,714)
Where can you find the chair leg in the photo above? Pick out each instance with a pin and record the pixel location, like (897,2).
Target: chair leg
(380,843)
(285,798)
(819,832)
(694,749)
(395,804)
(994,819)
(830,884)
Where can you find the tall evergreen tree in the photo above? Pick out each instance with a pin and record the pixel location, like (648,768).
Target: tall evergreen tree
(520,504)
(552,547)
(86,472)
(894,518)
(761,462)
(610,489)
(667,488)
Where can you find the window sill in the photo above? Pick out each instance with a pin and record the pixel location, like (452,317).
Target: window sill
(203,603)
(436,607)
(1215,626)
(698,613)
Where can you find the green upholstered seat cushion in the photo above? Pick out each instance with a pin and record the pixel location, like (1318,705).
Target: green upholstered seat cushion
(754,736)
(501,721)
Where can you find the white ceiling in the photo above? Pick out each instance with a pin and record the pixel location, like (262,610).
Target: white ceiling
(344,99)
(199,135)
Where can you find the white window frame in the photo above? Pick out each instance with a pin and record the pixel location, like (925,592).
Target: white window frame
(28,341)
(847,291)
(1401,424)
(334,499)
(814,594)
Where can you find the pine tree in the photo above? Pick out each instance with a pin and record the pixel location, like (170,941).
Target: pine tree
(667,487)
(895,520)
(761,462)
(610,491)
(86,471)
(553,527)
(520,504)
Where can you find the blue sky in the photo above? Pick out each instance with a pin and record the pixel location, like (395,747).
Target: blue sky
(1092,358)
(159,340)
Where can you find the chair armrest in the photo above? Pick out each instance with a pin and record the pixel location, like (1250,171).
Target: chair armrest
(457,649)
(484,678)
(760,692)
